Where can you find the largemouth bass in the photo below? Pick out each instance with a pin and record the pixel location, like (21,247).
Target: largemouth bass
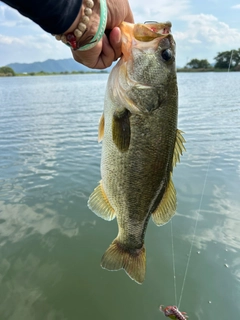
(140,144)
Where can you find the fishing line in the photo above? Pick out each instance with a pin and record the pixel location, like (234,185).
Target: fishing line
(194,232)
(195,226)
(174,268)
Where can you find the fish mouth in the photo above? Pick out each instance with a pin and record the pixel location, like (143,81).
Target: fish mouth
(149,31)
(145,32)
(142,33)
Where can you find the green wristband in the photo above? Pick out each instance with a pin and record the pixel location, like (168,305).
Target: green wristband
(101,28)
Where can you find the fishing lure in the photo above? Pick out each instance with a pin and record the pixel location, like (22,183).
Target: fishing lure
(172,312)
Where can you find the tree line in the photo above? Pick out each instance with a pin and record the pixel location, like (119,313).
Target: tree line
(6,71)
(9,72)
(224,60)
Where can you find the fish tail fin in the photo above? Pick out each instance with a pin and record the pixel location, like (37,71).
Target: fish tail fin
(132,261)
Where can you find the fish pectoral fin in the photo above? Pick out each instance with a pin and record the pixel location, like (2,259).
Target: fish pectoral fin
(132,261)
(121,130)
(101,128)
(99,204)
(167,206)
(179,147)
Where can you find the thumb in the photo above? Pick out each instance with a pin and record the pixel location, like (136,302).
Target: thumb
(115,41)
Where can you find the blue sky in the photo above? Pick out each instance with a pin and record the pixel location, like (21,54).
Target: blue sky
(201,28)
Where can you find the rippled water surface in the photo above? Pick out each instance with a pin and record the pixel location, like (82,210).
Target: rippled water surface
(51,243)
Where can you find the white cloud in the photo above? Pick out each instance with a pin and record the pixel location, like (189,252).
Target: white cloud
(11,18)
(195,41)
(31,48)
(208,29)
(203,37)
(9,40)
(237,6)
(158,10)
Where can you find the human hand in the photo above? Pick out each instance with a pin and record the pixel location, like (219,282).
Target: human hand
(108,49)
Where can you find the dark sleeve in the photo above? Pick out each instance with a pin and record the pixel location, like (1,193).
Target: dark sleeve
(53,16)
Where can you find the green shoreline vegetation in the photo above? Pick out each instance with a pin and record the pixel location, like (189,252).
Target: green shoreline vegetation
(9,72)
(225,61)
(212,69)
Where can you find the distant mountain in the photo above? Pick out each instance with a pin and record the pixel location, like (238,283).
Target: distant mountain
(50,65)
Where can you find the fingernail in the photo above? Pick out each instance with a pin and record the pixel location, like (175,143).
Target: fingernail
(119,36)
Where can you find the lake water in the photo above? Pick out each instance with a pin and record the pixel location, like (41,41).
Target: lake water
(51,243)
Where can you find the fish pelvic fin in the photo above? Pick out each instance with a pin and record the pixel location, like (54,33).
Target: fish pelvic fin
(179,147)
(100,205)
(101,128)
(167,207)
(132,261)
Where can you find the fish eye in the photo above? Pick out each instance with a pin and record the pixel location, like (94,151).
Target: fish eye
(166,54)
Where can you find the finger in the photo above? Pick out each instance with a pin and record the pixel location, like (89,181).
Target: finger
(115,41)
(107,55)
(99,57)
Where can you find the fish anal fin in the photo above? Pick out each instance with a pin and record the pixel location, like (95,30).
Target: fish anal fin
(179,147)
(121,130)
(133,262)
(101,128)
(167,207)
(99,204)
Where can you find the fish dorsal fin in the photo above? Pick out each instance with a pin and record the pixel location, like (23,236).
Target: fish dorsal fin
(121,130)
(99,204)
(101,128)
(167,206)
(179,147)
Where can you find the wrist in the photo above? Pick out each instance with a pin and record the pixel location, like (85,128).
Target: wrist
(97,27)
(88,27)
